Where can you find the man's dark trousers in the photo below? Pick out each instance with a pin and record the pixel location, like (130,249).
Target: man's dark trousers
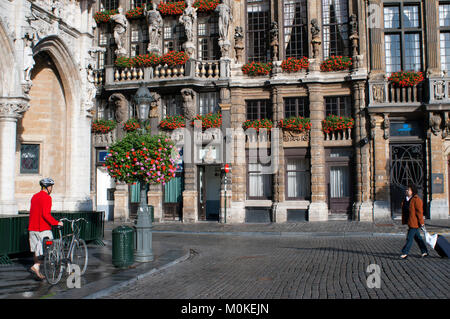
(414,234)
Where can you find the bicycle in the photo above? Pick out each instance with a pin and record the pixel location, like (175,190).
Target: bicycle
(61,253)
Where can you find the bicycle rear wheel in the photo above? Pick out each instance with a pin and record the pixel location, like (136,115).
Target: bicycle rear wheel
(53,266)
(79,255)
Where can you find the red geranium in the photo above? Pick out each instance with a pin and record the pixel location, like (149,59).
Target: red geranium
(295,123)
(336,63)
(172,122)
(337,123)
(257,68)
(209,120)
(172,8)
(294,65)
(174,58)
(258,124)
(406,79)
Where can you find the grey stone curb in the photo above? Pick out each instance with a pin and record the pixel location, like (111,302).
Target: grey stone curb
(112,289)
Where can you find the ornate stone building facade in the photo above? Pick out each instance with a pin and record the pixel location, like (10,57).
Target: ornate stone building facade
(46,102)
(399,136)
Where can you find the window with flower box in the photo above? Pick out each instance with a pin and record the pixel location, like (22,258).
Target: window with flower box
(338,105)
(208,102)
(172,105)
(259,181)
(295,28)
(173,35)
(258,26)
(444,23)
(402,37)
(138,4)
(296,106)
(109,5)
(106,40)
(208,38)
(298,174)
(138,37)
(259,109)
(335,28)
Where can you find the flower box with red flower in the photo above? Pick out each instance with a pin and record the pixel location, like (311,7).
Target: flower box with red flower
(406,79)
(293,64)
(295,123)
(336,63)
(206,5)
(124,62)
(257,68)
(258,124)
(172,122)
(136,13)
(146,60)
(104,16)
(210,120)
(103,126)
(172,8)
(337,123)
(174,58)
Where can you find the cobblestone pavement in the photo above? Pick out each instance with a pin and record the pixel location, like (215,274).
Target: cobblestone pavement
(320,267)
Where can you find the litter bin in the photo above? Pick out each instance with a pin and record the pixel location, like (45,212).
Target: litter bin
(123,246)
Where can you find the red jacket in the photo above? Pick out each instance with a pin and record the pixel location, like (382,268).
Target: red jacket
(40,217)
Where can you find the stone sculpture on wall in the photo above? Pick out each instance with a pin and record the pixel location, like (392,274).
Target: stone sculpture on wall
(189,103)
(120,28)
(189,19)
(28,60)
(155,23)
(239,44)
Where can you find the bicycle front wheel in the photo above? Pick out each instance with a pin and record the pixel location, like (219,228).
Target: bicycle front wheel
(53,266)
(79,255)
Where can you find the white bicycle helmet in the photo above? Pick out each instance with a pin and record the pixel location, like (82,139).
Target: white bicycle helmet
(46,182)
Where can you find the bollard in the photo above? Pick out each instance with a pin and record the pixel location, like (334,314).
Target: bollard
(144,251)
(123,246)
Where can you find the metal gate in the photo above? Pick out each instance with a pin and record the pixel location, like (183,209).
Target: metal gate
(407,167)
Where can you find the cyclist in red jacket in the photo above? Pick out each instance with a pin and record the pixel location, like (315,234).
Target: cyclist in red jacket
(41,222)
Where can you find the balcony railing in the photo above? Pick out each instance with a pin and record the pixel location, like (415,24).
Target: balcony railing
(385,93)
(207,69)
(104,139)
(99,77)
(340,135)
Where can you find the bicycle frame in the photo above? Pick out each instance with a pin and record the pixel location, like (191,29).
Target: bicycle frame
(60,241)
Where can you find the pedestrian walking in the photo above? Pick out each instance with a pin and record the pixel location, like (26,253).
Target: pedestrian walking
(412,215)
(41,222)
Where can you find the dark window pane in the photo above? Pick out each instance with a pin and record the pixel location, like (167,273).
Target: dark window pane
(257,33)
(340,106)
(109,4)
(295,28)
(29,159)
(335,27)
(296,106)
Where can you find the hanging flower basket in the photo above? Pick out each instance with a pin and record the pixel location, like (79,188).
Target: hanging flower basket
(337,123)
(295,123)
(257,68)
(146,60)
(336,63)
(174,58)
(136,13)
(294,65)
(210,120)
(172,122)
(142,158)
(104,16)
(258,124)
(103,126)
(124,62)
(206,5)
(406,79)
(172,8)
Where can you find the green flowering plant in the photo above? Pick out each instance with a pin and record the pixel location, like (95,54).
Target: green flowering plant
(294,65)
(103,126)
(174,58)
(104,16)
(336,63)
(295,123)
(146,60)
(124,62)
(172,122)
(258,124)
(144,158)
(209,120)
(406,79)
(337,123)
(136,13)
(172,8)
(257,68)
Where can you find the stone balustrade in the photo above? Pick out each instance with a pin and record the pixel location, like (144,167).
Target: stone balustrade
(128,74)
(340,135)
(99,77)
(207,69)
(385,93)
(104,139)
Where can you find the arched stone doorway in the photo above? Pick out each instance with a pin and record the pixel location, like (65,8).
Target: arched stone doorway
(43,135)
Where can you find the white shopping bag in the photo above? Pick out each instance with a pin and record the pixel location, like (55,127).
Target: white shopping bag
(430,239)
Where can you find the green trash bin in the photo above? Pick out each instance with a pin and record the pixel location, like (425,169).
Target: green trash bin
(123,246)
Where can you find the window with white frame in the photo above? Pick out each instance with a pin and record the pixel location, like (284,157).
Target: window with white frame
(173,35)
(259,182)
(138,38)
(444,23)
(402,37)
(298,178)
(335,28)
(295,28)
(208,102)
(208,38)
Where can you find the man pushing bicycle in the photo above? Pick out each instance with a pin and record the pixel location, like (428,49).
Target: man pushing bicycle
(41,222)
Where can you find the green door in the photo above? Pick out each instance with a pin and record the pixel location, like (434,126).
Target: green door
(173,198)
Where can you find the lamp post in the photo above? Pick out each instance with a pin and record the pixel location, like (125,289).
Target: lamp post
(144,251)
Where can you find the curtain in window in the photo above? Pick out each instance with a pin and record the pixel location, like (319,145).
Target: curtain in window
(259,184)
(135,193)
(412,52)
(289,15)
(393,53)
(339,182)
(173,190)
(298,178)
(391,18)
(341,19)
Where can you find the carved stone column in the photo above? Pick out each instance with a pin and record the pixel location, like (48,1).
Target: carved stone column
(432,36)
(375,36)
(363,207)
(318,209)
(10,111)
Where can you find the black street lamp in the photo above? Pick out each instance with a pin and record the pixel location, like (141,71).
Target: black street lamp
(144,251)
